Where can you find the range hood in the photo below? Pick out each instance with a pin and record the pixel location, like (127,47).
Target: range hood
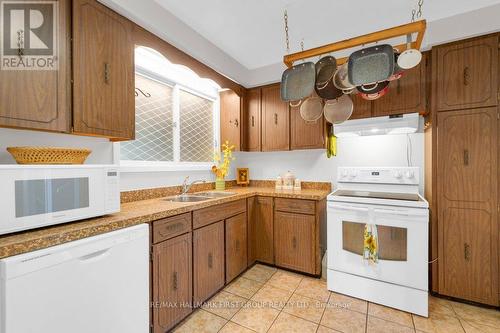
(397,124)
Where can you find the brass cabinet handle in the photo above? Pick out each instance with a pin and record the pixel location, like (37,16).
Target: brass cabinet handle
(174,280)
(253,121)
(236,123)
(106,73)
(466,76)
(237,245)
(210,260)
(294,242)
(466,157)
(467,251)
(276,119)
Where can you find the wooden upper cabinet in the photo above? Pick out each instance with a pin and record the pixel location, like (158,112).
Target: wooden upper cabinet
(230,118)
(40,99)
(172,282)
(406,95)
(103,72)
(252,123)
(236,246)
(306,134)
(362,107)
(465,74)
(275,120)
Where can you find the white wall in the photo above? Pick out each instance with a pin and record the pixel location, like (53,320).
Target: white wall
(313,165)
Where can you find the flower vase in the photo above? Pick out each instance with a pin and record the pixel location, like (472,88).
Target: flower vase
(220,184)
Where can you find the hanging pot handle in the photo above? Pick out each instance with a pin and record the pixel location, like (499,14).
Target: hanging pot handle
(295,105)
(369,86)
(347,91)
(323,86)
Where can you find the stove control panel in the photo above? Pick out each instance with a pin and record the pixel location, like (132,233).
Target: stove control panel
(383,175)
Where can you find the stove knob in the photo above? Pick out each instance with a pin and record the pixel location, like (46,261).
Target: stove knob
(409,174)
(398,174)
(344,174)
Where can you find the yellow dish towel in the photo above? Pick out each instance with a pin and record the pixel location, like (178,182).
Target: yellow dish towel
(370,244)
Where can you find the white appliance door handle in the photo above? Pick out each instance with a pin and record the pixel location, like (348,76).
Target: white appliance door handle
(95,256)
(351,208)
(393,212)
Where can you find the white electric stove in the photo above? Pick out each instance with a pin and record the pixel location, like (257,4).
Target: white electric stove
(388,199)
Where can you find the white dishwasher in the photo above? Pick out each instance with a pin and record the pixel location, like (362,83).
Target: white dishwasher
(98,284)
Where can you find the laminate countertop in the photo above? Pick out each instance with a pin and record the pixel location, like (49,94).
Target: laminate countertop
(132,213)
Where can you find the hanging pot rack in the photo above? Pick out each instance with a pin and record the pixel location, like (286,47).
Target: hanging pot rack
(404,30)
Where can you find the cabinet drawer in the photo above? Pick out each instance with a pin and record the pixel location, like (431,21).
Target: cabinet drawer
(216,213)
(170,227)
(295,205)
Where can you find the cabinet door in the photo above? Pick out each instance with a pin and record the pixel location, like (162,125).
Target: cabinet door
(362,107)
(465,74)
(208,262)
(406,95)
(263,230)
(294,241)
(275,120)
(172,282)
(103,71)
(236,246)
(40,99)
(306,134)
(467,204)
(252,120)
(230,118)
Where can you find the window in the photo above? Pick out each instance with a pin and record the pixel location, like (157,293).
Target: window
(177,115)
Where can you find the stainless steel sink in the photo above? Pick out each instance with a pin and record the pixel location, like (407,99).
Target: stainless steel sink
(216,194)
(187,198)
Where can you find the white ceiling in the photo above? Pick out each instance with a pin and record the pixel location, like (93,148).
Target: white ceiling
(252,33)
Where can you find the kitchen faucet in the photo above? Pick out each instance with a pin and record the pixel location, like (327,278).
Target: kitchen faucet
(186,186)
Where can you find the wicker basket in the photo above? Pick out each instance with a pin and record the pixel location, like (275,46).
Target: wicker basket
(48,155)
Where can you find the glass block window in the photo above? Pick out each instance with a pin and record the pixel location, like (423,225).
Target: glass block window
(153,122)
(196,128)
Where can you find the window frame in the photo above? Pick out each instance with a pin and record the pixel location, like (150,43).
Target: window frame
(176,165)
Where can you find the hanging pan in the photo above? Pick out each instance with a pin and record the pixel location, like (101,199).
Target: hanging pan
(376,94)
(338,110)
(311,109)
(297,82)
(325,71)
(410,57)
(341,80)
(371,65)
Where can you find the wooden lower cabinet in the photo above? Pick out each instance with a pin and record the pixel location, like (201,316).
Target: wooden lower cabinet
(262,229)
(208,261)
(294,241)
(236,246)
(172,282)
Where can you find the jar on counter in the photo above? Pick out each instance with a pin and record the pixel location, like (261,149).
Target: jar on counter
(279,183)
(297,186)
(288,180)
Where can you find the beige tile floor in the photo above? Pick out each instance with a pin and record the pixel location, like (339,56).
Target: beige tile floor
(266,299)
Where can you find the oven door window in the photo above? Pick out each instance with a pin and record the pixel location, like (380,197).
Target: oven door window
(42,196)
(392,241)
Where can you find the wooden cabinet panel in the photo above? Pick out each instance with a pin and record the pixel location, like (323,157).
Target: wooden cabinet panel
(252,120)
(306,134)
(208,262)
(172,282)
(263,230)
(362,107)
(406,95)
(103,72)
(236,246)
(251,202)
(40,99)
(171,226)
(205,216)
(275,120)
(230,118)
(467,194)
(465,74)
(295,241)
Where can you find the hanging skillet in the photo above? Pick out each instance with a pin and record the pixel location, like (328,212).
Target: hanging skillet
(372,89)
(297,82)
(410,57)
(311,109)
(338,110)
(371,65)
(325,71)
(341,80)
(375,95)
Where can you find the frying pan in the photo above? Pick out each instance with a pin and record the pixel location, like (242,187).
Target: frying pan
(341,79)
(371,65)
(325,71)
(311,109)
(374,96)
(410,57)
(297,82)
(338,110)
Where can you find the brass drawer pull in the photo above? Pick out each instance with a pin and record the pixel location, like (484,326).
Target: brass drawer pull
(294,242)
(467,251)
(466,157)
(174,280)
(466,76)
(106,73)
(237,245)
(210,260)
(276,119)
(253,121)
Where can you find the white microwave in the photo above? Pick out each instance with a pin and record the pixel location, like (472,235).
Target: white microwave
(33,196)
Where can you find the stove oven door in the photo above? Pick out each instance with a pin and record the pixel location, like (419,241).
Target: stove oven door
(402,242)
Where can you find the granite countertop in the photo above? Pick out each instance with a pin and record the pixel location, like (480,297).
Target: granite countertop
(133,213)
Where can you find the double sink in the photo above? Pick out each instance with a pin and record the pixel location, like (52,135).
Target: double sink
(202,196)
